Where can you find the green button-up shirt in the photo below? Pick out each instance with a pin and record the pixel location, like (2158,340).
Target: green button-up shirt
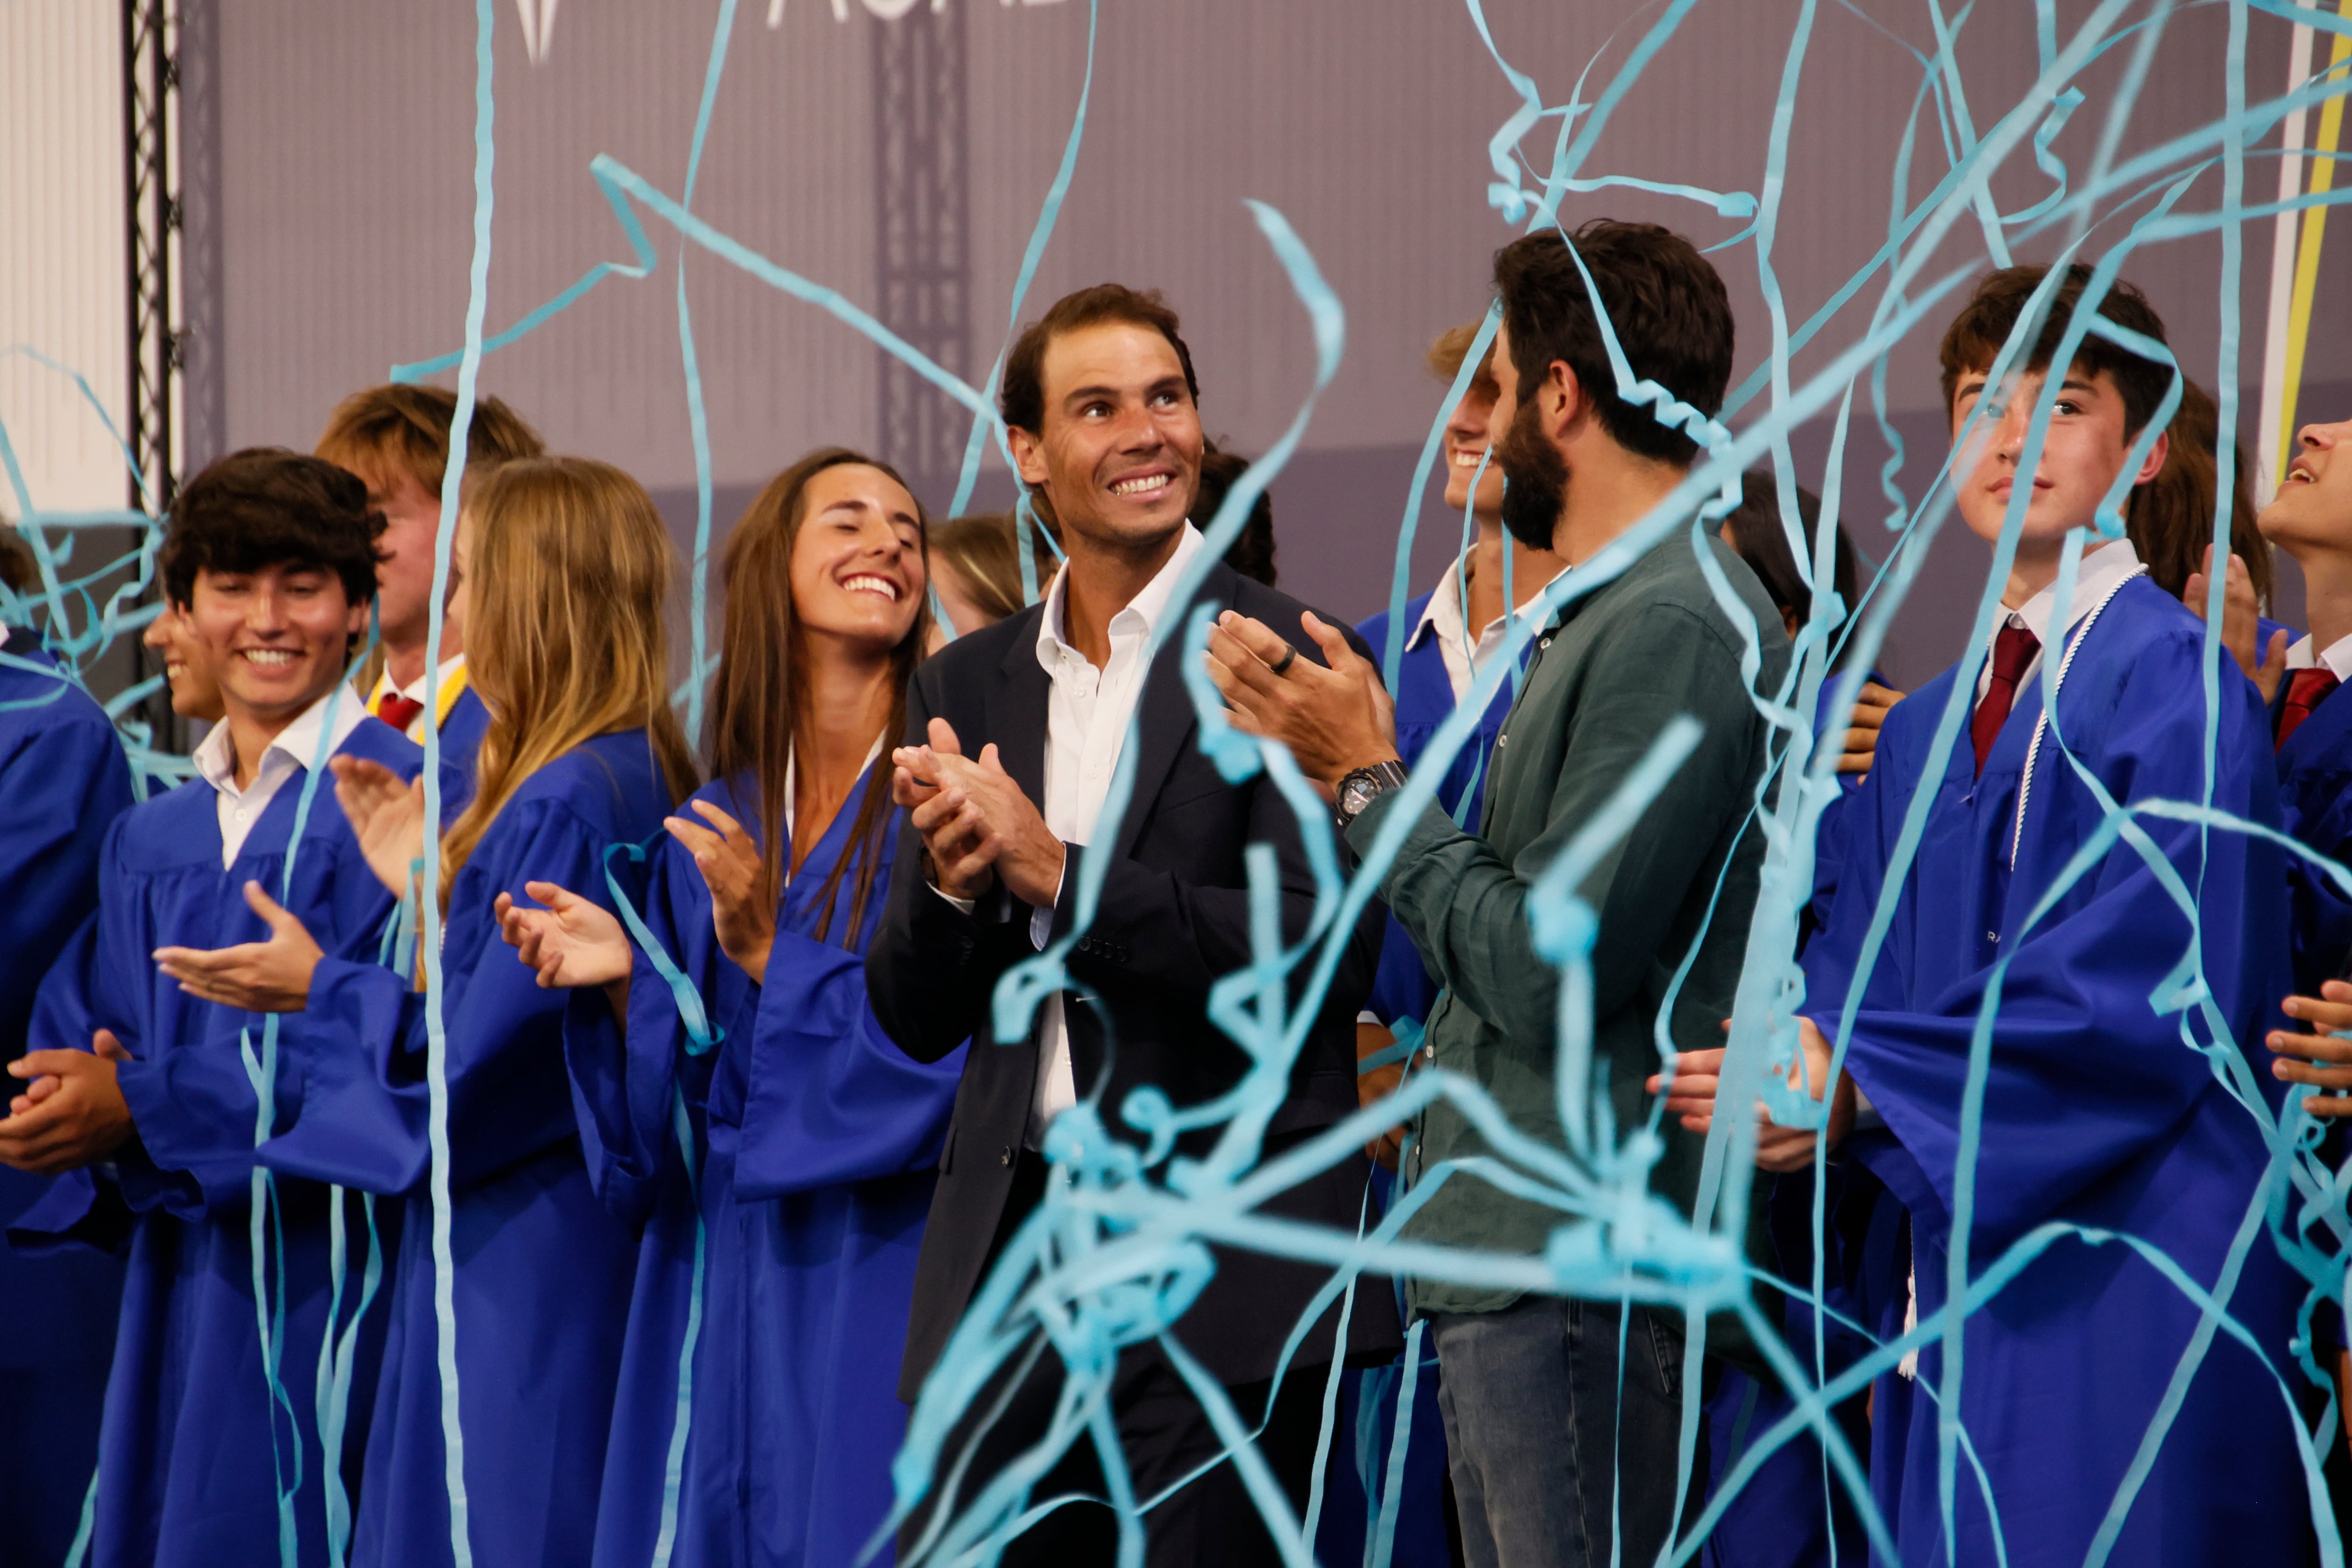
(1604,681)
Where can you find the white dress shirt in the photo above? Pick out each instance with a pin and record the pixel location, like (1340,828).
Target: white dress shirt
(2101,572)
(1443,619)
(295,748)
(1088,714)
(2336,656)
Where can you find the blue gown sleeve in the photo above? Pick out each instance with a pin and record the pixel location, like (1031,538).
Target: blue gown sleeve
(62,787)
(623,1086)
(361,1045)
(830,1100)
(192,1097)
(2085,1075)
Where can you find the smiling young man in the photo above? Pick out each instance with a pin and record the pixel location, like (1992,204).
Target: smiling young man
(2104,1100)
(136,1095)
(1563,1451)
(397,439)
(1014,734)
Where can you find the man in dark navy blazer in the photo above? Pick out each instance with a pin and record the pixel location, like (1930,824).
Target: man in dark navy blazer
(1014,734)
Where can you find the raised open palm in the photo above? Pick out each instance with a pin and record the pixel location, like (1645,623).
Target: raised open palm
(386,814)
(571,942)
(742,905)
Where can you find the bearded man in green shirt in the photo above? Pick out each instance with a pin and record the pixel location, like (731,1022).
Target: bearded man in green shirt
(1556,1448)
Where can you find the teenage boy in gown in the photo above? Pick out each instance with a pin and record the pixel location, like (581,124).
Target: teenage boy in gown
(1672,897)
(566,566)
(63,779)
(217,1444)
(1013,734)
(780,1150)
(2110,1102)
(397,439)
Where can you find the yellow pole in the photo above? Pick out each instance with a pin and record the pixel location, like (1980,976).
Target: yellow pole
(2315,223)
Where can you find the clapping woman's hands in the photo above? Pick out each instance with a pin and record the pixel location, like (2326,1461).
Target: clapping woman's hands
(572,942)
(742,904)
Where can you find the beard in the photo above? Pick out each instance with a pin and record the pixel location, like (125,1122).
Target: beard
(1534,481)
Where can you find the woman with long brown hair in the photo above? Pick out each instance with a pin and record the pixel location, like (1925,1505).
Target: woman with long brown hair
(732,1082)
(563,568)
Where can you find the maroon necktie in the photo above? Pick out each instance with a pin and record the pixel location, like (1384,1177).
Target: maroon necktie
(2305,689)
(398,712)
(2012,650)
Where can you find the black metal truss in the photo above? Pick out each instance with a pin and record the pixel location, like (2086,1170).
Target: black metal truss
(151,218)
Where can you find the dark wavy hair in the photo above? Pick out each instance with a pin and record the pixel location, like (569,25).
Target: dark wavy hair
(1666,304)
(268,507)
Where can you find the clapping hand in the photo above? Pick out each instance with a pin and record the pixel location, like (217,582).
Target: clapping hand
(386,814)
(977,823)
(272,976)
(1335,717)
(2319,1058)
(742,904)
(2241,623)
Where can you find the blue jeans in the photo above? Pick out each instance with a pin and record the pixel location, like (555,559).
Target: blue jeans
(1539,1438)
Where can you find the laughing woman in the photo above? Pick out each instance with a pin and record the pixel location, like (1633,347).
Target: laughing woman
(781,1147)
(563,568)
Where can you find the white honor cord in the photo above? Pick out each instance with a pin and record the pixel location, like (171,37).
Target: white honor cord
(2033,751)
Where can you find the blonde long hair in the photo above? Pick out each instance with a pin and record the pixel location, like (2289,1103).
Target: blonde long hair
(569,573)
(761,699)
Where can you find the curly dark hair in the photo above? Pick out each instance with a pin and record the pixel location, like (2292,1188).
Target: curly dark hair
(1666,304)
(269,507)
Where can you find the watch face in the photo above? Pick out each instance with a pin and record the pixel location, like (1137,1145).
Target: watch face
(1357,794)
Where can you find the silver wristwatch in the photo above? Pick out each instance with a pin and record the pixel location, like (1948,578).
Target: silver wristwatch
(1360,788)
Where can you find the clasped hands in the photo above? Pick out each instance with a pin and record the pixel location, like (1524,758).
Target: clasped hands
(1779,1149)
(69,1113)
(977,825)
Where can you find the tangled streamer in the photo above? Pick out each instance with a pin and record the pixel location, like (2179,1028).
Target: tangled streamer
(1121,1245)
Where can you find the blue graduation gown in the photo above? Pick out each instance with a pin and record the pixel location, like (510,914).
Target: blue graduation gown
(2314,779)
(189,1458)
(542,1269)
(461,735)
(1787,1513)
(2095,1111)
(63,779)
(817,1143)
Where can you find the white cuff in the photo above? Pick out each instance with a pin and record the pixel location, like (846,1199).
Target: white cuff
(966,905)
(1041,922)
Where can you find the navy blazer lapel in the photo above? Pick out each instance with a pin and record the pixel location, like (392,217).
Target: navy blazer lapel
(1018,710)
(1165,721)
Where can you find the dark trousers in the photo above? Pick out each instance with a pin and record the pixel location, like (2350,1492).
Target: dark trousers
(1163,1435)
(1548,1462)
